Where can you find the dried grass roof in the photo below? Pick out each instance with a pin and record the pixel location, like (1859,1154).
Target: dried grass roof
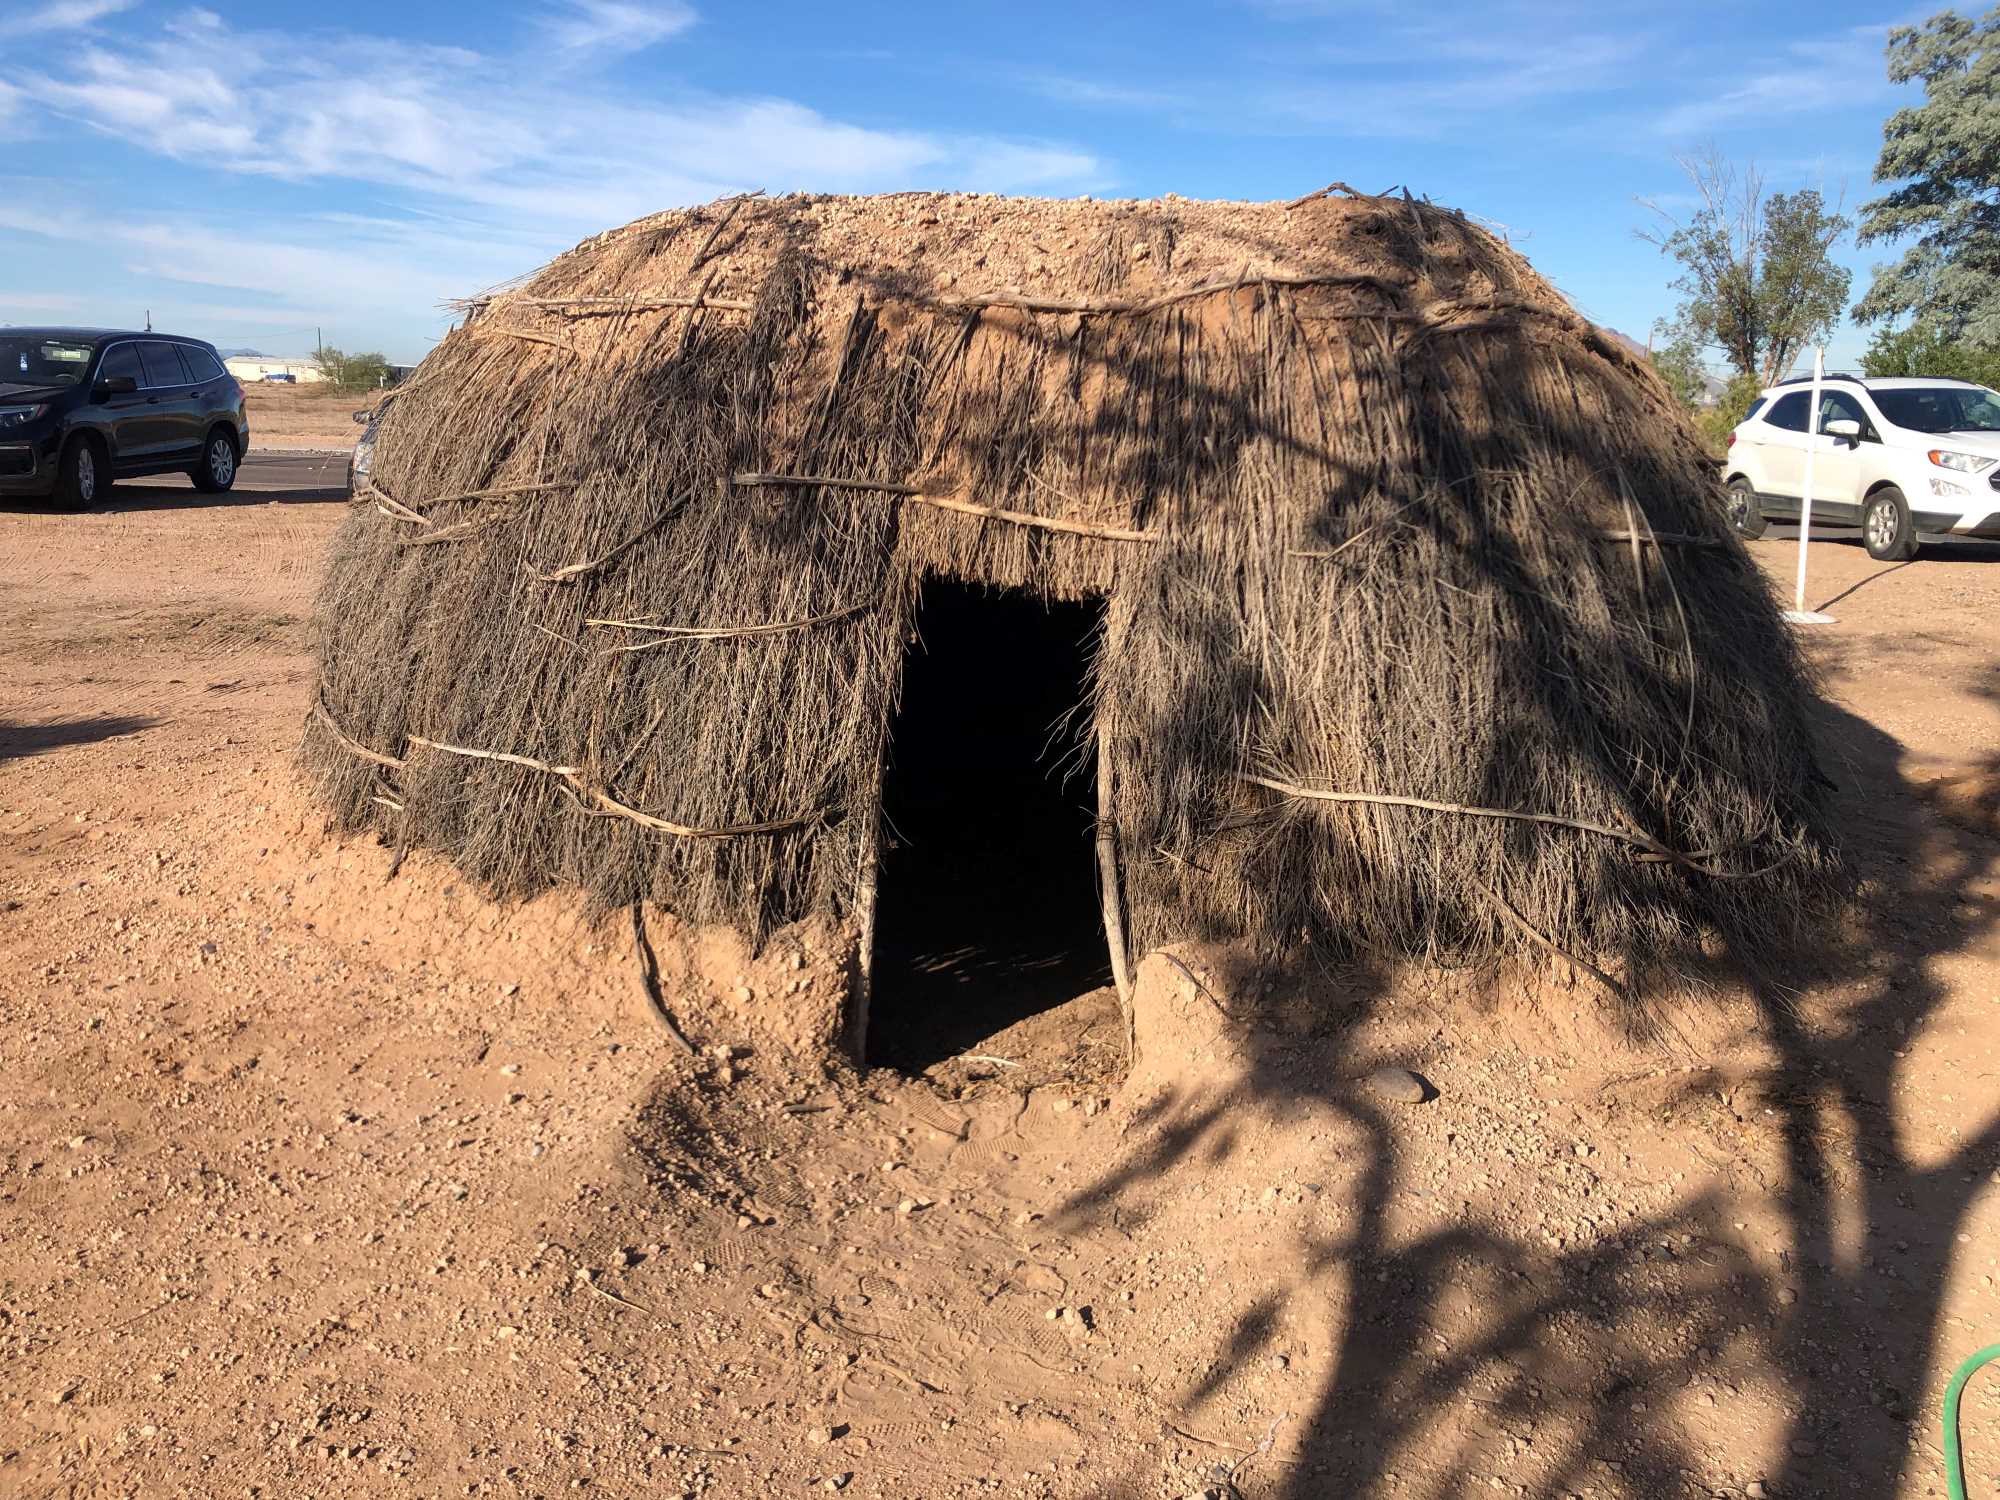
(1425,630)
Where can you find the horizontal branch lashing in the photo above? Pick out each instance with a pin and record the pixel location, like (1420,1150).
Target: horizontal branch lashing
(571,776)
(946,502)
(366,488)
(483,326)
(601,306)
(1651,846)
(1666,539)
(671,634)
(978,301)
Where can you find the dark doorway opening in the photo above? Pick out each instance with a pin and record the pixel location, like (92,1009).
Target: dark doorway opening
(987,909)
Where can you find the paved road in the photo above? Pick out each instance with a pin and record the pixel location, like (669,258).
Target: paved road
(276,478)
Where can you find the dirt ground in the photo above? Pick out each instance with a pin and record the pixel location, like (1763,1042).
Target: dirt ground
(302,416)
(315,1181)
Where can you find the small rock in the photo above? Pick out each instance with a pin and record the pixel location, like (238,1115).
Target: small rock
(77,1142)
(835,1481)
(745,994)
(1398,1084)
(1786,1296)
(510,1070)
(1804,1447)
(744,1221)
(700,1268)
(818,1436)
(1756,1489)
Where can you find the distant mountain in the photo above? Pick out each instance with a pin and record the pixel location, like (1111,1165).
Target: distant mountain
(1629,342)
(242,354)
(1712,386)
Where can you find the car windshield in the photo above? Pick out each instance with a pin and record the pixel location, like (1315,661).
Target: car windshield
(1946,408)
(42,361)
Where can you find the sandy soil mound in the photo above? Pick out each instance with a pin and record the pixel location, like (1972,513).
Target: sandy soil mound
(315,1181)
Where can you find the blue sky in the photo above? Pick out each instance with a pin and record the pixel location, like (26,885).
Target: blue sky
(251,172)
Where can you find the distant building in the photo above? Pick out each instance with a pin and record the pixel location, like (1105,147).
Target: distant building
(254,368)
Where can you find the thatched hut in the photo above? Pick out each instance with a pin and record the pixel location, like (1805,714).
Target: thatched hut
(1391,602)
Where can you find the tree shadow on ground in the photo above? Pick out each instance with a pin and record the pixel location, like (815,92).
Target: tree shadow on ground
(19,741)
(1579,1358)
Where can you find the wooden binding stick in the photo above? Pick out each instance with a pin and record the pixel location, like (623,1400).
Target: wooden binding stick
(533,338)
(1330,188)
(1666,539)
(826,482)
(572,776)
(1112,894)
(669,634)
(976,301)
(961,507)
(572,571)
(456,533)
(351,746)
(649,982)
(1632,836)
(597,306)
(1506,910)
(604,800)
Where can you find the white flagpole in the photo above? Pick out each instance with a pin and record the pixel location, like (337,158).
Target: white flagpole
(1798,613)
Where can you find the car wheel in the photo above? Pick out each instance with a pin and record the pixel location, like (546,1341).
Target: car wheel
(81,475)
(1887,528)
(1744,512)
(217,470)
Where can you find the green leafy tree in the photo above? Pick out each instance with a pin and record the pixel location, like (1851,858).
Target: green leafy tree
(352,372)
(1926,349)
(1678,363)
(1759,282)
(1946,154)
(1716,423)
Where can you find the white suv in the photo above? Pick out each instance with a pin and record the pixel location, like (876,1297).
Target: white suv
(1893,456)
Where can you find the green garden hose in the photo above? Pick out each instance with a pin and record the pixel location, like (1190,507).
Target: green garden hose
(1954,1461)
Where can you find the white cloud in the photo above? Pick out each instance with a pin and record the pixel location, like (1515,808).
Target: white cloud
(1834,73)
(495,130)
(1095,93)
(611,26)
(1426,82)
(66,15)
(36,302)
(458,168)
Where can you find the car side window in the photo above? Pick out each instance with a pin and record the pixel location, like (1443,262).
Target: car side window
(201,364)
(1834,405)
(1790,412)
(122,359)
(163,364)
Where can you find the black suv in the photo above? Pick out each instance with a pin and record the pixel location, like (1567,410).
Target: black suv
(80,407)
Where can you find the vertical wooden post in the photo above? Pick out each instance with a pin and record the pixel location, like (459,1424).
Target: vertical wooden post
(1108,888)
(865,881)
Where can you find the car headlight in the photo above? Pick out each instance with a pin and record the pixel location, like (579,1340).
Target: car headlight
(20,416)
(1965,463)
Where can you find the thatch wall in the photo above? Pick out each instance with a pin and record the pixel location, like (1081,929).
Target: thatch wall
(1384,483)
